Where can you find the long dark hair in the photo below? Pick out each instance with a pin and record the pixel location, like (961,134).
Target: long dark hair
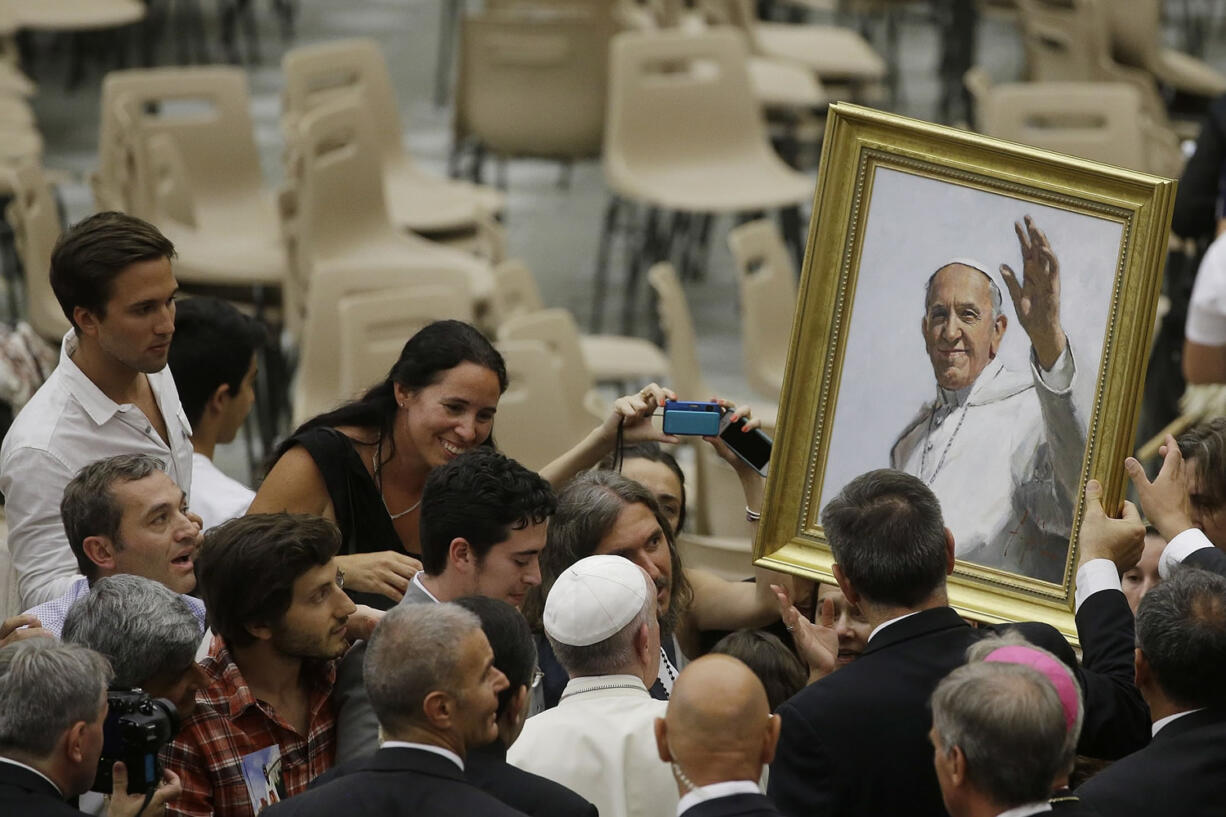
(434,350)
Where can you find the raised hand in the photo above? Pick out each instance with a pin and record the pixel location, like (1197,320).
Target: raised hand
(816,642)
(1036,298)
(1165,500)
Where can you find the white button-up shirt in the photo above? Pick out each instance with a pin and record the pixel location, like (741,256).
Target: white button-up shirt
(68,424)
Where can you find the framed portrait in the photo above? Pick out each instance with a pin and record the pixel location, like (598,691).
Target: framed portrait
(979,314)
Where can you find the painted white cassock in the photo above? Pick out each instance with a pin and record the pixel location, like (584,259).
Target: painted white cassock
(1004,457)
(600,742)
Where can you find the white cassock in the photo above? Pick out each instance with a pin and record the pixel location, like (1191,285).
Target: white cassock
(1004,457)
(599,741)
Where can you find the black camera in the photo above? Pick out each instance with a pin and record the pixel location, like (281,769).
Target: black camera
(136,728)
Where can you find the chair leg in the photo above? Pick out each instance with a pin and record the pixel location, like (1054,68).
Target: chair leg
(564,175)
(789,218)
(650,250)
(600,281)
(448,26)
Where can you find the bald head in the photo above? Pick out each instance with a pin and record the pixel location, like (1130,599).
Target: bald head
(718,726)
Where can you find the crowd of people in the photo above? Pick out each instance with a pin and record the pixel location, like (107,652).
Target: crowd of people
(402,620)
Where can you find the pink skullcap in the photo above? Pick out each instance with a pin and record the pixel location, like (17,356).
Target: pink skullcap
(1051,669)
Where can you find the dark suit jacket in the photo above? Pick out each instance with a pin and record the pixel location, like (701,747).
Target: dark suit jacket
(856,742)
(1211,559)
(1182,772)
(24,793)
(487,769)
(395,782)
(735,805)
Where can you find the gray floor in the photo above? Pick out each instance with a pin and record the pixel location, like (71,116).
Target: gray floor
(554,230)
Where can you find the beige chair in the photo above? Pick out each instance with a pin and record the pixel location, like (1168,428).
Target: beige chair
(416,200)
(683,134)
(335,216)
(317,386)
(617,359)
(556,329)
(1100,121)
(177,147)
(767,281)
(10,598)
(533,426)
(374,326)
(730,558)
(1136,40)
(35,221)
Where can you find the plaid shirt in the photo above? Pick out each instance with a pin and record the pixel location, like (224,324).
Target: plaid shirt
(229,723)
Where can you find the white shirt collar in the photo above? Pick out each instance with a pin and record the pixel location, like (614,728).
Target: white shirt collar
(714,790)
(19,764)
(97,405)
(417,581)
(1162,722)
(885,624)
(425,747)
(1029,808)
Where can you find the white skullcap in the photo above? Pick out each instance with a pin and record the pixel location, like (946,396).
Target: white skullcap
(593,599)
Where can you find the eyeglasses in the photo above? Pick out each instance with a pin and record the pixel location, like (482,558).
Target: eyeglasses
(537,677)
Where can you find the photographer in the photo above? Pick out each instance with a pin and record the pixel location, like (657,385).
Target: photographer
(52,707)
(146,631)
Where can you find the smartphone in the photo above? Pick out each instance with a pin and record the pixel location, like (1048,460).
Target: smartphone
(693,419)
(754,447)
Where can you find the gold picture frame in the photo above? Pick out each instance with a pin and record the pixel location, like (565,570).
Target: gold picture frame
(866,248)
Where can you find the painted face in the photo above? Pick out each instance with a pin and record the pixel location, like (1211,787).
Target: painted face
(452,416)
(512,567)
(477,694)
(238,406)
(140,316)
(959,333)
(314,624)
(1143,576)
(157,539)
(637,536)
(849,623)
(661,481)
(1206,515)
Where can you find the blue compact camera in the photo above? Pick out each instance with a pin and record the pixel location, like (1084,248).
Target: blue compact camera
(693,419)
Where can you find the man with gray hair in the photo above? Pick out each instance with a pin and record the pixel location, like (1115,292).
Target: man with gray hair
(1021,516)
(600,619)
(998,737)
(52,707)
(430,675)
(146,631)
(124,514)
(1181,670)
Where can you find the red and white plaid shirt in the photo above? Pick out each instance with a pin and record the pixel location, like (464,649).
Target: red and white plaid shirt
(229,722)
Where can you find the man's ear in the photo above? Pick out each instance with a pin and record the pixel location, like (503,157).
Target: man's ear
(218,399)
(100,550)
(849,592)
(86,319)
(771,738)
(460,553)
(951,560)
(661,729)
(957,765)
(998,334)
(439,709)
(1142,674)
(74,742)
(260,632)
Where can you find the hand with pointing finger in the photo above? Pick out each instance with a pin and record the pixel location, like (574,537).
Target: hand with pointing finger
(817,642)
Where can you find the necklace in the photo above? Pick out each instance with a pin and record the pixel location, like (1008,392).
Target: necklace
(379,485)
(945,450)
(669,670)
(597,688)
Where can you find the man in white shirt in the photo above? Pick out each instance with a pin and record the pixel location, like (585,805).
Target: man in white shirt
(717,735)
(110,394)
(1181,670)
(214,362)
(999,740)
(124,515)
(600,618)
(432,681)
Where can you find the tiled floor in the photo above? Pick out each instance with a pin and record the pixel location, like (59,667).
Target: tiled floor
(554,230)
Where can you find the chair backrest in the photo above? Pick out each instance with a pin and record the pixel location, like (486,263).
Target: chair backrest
(1134,28)
(532,425)
(679,339)
(35,220)
(767,282)
(719,500)
(534,85)
(205,110)
(10,596)
(373,328)
(556,329)
(315,74)
(678,99)
(319,367)
(515,291)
